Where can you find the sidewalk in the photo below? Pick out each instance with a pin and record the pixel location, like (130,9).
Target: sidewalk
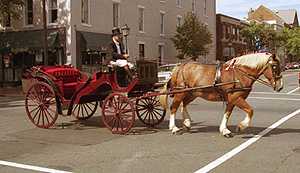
(11,91)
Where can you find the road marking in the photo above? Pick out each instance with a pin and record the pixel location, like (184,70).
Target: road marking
(274,93)
(293,90)
(12,108)
(274,98)
(244,145)
(30,167)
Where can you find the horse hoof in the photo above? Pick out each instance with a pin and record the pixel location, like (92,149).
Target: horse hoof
(175,131)
(229,135)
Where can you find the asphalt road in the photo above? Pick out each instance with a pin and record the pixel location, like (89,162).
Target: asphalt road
(91,148)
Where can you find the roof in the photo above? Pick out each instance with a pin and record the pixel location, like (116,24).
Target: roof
(288,15)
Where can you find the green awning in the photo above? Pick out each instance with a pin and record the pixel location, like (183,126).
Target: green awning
(94,41)
(27,39)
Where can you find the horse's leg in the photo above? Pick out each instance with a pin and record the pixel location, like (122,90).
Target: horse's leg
(186,116)
(175,104)
(242,104)
(223,127)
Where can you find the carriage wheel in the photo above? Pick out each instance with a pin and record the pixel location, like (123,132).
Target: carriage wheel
(149,111)
(40,105)
(85,111)
(118,113)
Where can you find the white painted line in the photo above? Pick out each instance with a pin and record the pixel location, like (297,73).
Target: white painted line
(274,93)
(12,108)
(244,145)
(30,167)
(293,90)
(274,98)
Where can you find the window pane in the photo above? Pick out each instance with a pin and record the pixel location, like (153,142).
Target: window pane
(115,15)
(85,11)
(162,29)
(141,51)
(29,12)
(54,16)
(141,19)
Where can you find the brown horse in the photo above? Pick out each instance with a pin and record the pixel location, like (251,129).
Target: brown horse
(231,83)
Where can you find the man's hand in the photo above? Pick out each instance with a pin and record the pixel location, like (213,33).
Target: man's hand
(125,56)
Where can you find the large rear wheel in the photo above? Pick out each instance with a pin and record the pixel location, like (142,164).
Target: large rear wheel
(118,113)
(40,103)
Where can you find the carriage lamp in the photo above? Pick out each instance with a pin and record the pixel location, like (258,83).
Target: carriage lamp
(125,32)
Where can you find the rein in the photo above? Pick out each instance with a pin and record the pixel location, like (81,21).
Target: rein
(255,78)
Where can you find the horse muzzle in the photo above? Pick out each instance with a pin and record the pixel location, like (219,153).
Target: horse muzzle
(278,85)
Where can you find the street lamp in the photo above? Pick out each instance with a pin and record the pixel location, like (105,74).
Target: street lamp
(125,32)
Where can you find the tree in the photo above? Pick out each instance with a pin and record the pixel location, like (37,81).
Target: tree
(10,8)
(260,36)
(290,39)
(192,38)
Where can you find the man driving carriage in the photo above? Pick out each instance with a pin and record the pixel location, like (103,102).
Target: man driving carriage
(119,57)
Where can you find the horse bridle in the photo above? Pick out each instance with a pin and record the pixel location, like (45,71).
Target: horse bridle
(275,72)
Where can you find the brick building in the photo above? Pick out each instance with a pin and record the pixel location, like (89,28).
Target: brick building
(229,40)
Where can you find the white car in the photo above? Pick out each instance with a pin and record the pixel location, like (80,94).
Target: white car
(165,72)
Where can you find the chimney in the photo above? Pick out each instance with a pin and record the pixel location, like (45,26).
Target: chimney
(250,12)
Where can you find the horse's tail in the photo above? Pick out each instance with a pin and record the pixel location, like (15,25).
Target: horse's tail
(164,97)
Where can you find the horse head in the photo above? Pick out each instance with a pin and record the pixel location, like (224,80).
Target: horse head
(272,71)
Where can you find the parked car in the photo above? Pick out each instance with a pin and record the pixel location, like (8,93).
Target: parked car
(292,65)
(165,72)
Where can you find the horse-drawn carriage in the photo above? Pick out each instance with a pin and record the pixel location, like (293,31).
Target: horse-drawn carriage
(52,90)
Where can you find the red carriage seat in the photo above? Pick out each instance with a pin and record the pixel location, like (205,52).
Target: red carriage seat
(68,77)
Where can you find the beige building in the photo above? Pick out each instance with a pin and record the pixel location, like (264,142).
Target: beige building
(82,28)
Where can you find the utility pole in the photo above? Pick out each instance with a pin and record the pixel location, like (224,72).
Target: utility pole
(45,33)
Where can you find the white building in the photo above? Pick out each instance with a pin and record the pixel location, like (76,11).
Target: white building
(82,28)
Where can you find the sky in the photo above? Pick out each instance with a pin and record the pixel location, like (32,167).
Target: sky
(239,8)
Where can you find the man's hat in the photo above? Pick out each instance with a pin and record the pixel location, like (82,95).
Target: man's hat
(116,31)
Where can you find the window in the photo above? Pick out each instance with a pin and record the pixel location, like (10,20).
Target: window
(28,12)
(85,11)
(178,22)
(116,14)
(53,9)
(7,21)
(179,3)
(205,7)
(162,23)
(141,19)
(194,6)
(141,50)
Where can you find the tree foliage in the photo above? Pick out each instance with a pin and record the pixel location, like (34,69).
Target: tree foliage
(260,36)
(11,8)
(290,39)
(192,38)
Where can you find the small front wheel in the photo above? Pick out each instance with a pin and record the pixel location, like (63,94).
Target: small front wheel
(85,111)
(118,113)
(149,111)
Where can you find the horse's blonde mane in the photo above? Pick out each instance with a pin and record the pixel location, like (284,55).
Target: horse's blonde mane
(255,60)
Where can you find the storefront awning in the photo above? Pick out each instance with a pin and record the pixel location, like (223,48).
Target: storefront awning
(94,41)
(27,39)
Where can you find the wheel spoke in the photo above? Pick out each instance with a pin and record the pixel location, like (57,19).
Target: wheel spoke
(49,114)
(90,107)
(33,118)
(45,113)
(34,109)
